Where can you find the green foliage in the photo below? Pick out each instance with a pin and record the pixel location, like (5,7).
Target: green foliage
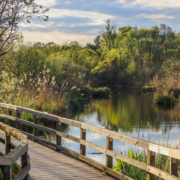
(162,162)
(23,61)
(129,170)
(164,100)
(101,92)
(148,88)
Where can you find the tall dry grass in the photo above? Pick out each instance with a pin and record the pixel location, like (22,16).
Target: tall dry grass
(39,92)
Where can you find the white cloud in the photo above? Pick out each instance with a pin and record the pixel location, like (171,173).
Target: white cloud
(46,3)
(154,16)
(56,36)
(160,4)
(57,13)
(96,18)
(35,25)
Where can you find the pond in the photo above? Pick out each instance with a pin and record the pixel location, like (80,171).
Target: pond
(130,113)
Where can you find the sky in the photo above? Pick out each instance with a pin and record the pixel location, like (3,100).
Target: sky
(80,20)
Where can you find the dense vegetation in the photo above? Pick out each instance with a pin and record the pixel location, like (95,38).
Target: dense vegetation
(162,162)
(129,56)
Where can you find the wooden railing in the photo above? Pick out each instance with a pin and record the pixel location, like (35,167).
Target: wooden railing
(11,156)
(152,148)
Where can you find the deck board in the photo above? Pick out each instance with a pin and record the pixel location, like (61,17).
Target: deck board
(48,164)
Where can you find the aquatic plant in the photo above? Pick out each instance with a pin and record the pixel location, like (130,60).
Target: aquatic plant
(162,162)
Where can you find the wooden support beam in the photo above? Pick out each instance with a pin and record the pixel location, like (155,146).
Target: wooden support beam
(109,146)
(10,114)
(18,116)
(7,172)
(36,133)
(58,138)
(7,143)
(82,136)
(24,163)
(174,167)
(150,161)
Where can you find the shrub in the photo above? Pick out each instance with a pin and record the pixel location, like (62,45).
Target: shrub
(101,92)
(164,100)
(147,88)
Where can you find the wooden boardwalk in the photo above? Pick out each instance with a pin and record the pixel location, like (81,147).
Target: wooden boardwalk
(48,164)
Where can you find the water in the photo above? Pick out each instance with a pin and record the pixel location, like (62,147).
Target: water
(129,113)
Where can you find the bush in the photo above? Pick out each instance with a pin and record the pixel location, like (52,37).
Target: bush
(148,89)
(76,103)
(101,92)
(164,100)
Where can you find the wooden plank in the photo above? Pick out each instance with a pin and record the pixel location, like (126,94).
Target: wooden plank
(24,163)
(10,114)
(7,143)
(174,167)
(81,157)
(7,172)
(58,128)
(82,136)
(167,151)
(15,154)
(109,145)
(23,173)
(35,129)
(43,128)
(13,132)
(2,140)
(150,161)
(131,161)
(18,116)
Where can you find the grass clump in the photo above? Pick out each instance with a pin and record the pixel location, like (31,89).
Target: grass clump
(148,89)
(164,100)
(130,170)
(101,92)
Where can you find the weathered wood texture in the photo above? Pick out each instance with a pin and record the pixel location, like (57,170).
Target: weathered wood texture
(152,148)
(10,157)
(167,151)
(48,164)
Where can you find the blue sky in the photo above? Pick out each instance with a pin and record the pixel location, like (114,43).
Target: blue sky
(80,20)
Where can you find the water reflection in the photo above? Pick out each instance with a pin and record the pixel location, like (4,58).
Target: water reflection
(132,114)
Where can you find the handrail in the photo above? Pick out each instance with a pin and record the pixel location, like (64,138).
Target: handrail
(11,156)
(152,148)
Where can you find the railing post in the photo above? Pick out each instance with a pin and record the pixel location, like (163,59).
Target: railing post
(109,146)
(150,161)
(10,114)
(58,128)
(18,116)
(174,167)
(24,163)
(7,172)
(7,143)
(35,129)
(82,136)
